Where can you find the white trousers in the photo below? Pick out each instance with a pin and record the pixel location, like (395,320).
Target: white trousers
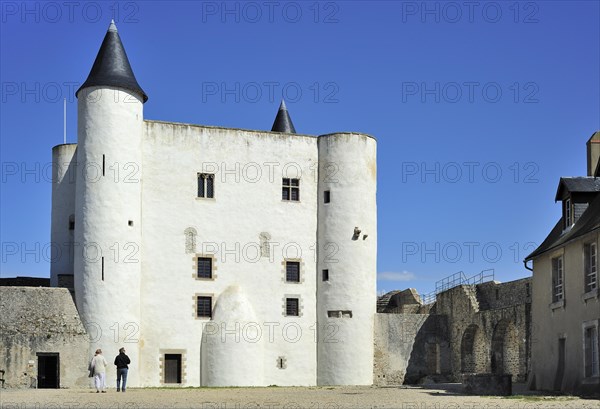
(100,381)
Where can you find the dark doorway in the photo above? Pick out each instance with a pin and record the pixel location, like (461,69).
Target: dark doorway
(172,368)
(560,369)
(48,370)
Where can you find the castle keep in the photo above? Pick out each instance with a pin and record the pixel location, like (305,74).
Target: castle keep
(205,277)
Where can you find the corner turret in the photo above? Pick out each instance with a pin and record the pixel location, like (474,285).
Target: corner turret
(283,121)
(111,67)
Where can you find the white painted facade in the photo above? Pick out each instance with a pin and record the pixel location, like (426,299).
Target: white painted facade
(140,226)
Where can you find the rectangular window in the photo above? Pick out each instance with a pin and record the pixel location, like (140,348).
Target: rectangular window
(204,307)
(591,352)
(206,185)
(290,189)
(325,275)
(568,213)
(339,314)
(590,266)
(557,279)
(204,267)
(291,307)
(327,196)
(292,271)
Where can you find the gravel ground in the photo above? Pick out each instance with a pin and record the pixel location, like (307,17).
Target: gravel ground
(445,396)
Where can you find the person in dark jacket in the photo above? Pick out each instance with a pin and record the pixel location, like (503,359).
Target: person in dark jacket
(121,361)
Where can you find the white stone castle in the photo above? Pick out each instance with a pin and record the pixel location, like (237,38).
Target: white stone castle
(216,256)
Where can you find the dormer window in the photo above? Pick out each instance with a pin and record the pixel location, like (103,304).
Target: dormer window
(568,212)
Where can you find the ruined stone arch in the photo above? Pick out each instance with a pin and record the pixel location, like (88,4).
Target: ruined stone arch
(473,354)
(505,349)
(190,239)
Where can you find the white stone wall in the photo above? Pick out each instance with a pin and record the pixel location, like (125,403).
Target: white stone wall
(348,169)
(246,204)
(64,170)
(142,223)
(109,136)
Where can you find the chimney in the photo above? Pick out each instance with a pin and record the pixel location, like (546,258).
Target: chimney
(593,155)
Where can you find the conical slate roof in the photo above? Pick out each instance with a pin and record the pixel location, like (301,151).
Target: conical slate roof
(283,122)
(111,67)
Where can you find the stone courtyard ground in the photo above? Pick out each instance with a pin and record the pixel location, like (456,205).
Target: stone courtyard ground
(441,396)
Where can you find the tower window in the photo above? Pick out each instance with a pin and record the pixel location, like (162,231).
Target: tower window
(130,223)
(291,307)
(204,306)
(292,271)
(206,185)
(290,189)
(325,275)
(326,196)
(204,267)
(71,222)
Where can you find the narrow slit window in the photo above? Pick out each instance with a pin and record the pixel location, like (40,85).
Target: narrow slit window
(326,196)
(325,275)
(102,267)
(103,164)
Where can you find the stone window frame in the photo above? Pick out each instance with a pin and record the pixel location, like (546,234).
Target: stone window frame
(205,176)
(555,302)
(290,186)
(195,306)
(591,292)
(281,362)
(595,377)
(161,366)
(213,275)
(300,305)
(301,271)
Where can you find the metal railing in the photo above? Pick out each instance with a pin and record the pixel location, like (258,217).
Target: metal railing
(455,280)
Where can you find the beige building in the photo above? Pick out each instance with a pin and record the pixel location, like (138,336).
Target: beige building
(566,306)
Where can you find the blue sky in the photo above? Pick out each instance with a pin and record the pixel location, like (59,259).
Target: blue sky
(478,110)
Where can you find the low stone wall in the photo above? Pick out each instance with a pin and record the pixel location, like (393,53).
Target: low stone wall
(409,347)
(36,321)
(487,384)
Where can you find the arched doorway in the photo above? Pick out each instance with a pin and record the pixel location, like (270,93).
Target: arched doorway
(472,351)
(505,349)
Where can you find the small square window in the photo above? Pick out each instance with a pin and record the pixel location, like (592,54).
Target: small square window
(204,267)
(325,275)
(291,307)
(290,189)
(130,223)
(292,271)
(204,307)
(326,196)
(206,185)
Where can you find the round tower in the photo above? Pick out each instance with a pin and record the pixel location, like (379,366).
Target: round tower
(108,253)
(347,258)
(63,214)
